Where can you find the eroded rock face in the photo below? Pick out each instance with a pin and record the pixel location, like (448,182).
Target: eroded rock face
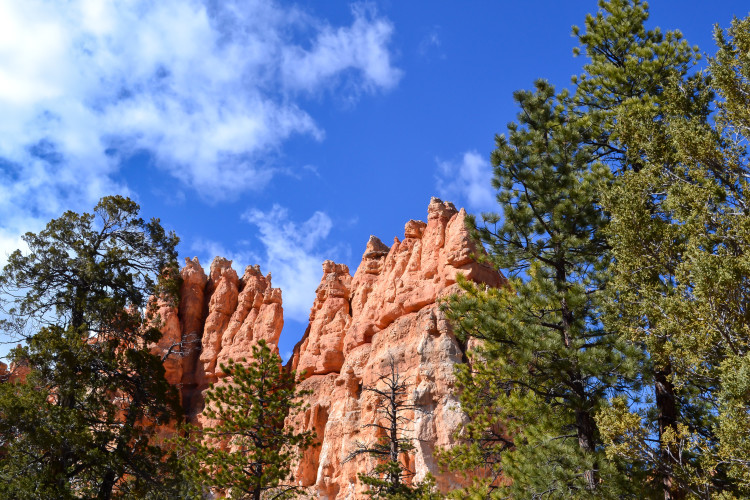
(169,348)
(322,348)
(387,311)
(192,314)
(17,372)
(220,317)
(258,315)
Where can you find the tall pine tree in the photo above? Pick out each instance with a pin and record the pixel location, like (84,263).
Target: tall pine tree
(621,98)
(624,96)
(680,283)
(545,355)
(245,451)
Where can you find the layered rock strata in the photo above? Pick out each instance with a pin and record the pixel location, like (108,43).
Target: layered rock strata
(386,312)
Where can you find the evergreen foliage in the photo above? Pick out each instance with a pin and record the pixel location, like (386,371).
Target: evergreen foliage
(82,423)
(624,210)
(680,284)
(546,364)
(628,67)
(245,450)
(626,95)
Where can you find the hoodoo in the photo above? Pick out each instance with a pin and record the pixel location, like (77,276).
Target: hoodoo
(389,310)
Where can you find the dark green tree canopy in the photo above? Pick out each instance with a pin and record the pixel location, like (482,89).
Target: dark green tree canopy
(546,363)
(86,270)
(82,424)
(246,451)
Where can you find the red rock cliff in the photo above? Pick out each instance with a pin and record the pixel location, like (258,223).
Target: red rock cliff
(220,317)
(387,310)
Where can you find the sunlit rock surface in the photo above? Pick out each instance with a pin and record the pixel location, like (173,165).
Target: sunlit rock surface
(387,310)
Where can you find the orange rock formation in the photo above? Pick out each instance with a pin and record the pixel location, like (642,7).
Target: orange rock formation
(16,373)
(387,310)
(219,318)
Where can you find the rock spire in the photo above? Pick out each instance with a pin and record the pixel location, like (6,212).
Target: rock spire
(389,309)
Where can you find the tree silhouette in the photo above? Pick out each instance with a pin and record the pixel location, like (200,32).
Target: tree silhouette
(391,476)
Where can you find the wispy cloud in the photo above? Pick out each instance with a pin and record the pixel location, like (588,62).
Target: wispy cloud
(431,42)
(211,90)
(293,254)
(363,45)
(467,181)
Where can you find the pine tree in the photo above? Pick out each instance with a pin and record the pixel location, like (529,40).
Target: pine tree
(625,94)
(82,424)
(620,110)
(545,355)
(248,452)
(730,71)
(627,71)
(391,478)
(680,283)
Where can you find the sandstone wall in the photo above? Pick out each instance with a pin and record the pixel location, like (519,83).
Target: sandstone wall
(387,310)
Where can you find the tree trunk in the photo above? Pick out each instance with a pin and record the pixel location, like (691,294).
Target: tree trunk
(666,404)
(585,424)
(108,484)
(394,433)
(586,427)
(110,478)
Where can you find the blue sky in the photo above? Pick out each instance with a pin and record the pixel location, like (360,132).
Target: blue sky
(275,133)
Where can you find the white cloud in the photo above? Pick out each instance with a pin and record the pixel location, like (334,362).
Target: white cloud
(292,252)
(361,45)
(467,182)
(293,255)
(210,89)
(207,250)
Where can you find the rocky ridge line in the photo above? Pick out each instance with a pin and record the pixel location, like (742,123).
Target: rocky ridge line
(387,310)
